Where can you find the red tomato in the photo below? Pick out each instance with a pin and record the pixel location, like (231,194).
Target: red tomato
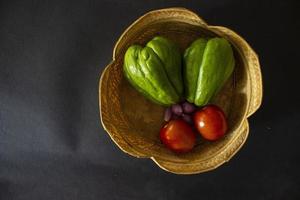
(178,136)
(210,121)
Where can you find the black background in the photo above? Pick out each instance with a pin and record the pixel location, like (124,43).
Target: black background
(52,145)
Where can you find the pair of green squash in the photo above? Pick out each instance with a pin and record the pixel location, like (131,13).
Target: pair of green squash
(156,70)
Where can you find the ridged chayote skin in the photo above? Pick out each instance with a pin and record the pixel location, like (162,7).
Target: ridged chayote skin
(170,55)
(208,63)
(155,70)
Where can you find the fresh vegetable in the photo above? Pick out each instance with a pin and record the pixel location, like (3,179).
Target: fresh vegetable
(188,108)
(178,136)
(169,54)
(208,63)
(211,123)
(168,114)
(177,109)
(155,70)
(183,110)
(193,57)
(187,118)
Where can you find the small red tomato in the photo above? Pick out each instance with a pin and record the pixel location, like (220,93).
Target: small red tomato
(210,121)
(178,136)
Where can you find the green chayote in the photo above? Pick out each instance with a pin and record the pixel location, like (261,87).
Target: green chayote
(208,63)
(155,70)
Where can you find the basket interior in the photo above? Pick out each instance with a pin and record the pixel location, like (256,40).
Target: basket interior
(138,120)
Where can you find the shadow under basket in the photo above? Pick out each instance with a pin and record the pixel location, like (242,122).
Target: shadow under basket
(133,122)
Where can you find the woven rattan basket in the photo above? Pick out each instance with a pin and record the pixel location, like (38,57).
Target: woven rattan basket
(133,122)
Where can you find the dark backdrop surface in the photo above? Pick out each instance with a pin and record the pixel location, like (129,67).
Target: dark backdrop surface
(52,145)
